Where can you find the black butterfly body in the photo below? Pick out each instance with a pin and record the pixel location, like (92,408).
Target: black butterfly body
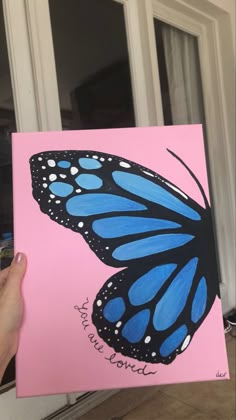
(135,219)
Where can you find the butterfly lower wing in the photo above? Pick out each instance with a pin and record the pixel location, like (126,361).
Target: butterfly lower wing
(151,314)
(124,211)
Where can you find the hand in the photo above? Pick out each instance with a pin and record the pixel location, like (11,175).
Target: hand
(11,309)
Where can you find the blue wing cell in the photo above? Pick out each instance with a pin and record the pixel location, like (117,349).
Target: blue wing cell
(172,343)
(61,189)
(114,309)
(148,190)
(89,181)
(94,204)
(174,300)
(146,287)
(116,227)
(151,245)
(135,327)
(200,301)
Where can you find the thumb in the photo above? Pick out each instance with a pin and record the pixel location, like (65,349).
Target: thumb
(16,272)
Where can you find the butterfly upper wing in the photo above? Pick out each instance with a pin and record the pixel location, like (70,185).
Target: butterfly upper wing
(124,211)
(152,314)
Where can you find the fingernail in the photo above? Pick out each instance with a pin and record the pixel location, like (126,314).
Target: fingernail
(18,258)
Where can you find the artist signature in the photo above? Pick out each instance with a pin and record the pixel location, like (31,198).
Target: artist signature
(221,374)
(113,359)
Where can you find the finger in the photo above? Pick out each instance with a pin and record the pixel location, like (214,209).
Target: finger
(3,275)
(16,273)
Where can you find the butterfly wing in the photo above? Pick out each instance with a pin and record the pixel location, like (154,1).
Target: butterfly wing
(152,314)
(132,217)
(124,211)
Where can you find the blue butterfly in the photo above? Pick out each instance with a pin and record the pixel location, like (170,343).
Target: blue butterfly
(133,218)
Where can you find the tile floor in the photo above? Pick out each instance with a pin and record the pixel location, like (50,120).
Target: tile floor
(199,401)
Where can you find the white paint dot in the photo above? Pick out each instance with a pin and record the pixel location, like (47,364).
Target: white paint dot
(80,224)
(118,324)
(186,342)
(40,158)
(45,185)
(52,195)
(109,284)
(95,157)
(51,163)
(107,247)
(110,159)
(116,332)
(153,354)
(99,303)
(125,165)
(148,173)
(52,177)
(78,190)
(57,201)
(44,179)
(43,167)
(102,159)
(177,190)
(147,339)
(74,170)
(63,176)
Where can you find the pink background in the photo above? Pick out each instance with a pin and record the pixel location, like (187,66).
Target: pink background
(55,355)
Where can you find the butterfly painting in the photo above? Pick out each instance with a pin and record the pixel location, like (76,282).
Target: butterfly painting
(159,237)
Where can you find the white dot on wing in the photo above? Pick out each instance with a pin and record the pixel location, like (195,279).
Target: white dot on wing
(74,170)
(52,177)
(186,342)
(125,165)
(51,163)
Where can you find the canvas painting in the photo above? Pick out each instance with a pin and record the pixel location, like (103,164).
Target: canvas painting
(122,286)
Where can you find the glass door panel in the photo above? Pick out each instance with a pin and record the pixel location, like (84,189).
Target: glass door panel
(92,64)
(180,75)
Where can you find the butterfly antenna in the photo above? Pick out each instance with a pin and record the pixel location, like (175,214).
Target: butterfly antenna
(193,176)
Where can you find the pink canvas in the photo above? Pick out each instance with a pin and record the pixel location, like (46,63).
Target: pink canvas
(62,348)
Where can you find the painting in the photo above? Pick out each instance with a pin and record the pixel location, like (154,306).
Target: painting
(132,206)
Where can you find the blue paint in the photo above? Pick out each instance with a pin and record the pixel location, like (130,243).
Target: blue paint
(89,182)
(116,227)
(173,341)
(64,164)
(149,246)
(61,189)
(173,301)
(114,309)
(89,163)
(199,301)
(90,204)
(147,286)
(150,191)
(135,328)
